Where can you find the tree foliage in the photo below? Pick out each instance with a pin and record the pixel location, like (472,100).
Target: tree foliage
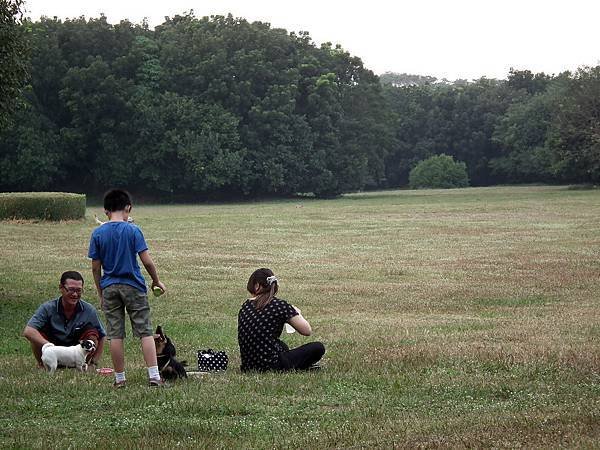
(576,135)
(199,107)
(13,56)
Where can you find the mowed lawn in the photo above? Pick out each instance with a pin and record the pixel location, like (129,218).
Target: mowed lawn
(458,318)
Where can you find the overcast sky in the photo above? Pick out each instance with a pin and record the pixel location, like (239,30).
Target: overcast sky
(443,38)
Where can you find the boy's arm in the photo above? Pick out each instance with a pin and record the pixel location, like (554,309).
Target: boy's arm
(151,268)
(97,272)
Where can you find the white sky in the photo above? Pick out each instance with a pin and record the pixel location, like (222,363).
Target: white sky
(443,38)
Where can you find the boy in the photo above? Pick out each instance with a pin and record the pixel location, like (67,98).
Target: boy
(120,284)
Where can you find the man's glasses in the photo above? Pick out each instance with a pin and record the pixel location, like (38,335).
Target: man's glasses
(71,290)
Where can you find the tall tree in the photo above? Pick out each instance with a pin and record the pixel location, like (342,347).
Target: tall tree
(13,56)
(525,135)
(532,83)
(577,127)
(31,157)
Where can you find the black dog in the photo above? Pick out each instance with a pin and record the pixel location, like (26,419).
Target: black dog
(168,366)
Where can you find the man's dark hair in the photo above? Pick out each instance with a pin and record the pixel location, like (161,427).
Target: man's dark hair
(70,275)
(116,200)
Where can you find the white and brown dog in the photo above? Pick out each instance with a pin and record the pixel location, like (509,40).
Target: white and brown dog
(73,356)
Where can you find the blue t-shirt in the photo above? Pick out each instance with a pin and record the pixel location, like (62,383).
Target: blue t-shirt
(50,319)
(116,245)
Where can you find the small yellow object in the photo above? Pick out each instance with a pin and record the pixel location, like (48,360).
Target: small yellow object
(157,291)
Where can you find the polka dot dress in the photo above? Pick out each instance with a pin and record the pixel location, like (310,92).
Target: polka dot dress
(259,331)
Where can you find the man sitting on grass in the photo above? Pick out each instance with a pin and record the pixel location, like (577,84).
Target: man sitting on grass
(66,320)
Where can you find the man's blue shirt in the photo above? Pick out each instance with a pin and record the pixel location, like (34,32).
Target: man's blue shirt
(50,319)
(116,245)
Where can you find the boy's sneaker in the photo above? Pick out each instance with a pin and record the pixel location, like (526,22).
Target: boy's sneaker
(119,384)
(158,382)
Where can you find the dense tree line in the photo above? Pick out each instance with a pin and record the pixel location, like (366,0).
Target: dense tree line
(528,128)
(204,107)
(195,107)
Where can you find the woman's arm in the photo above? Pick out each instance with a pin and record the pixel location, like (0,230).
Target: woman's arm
(300,324)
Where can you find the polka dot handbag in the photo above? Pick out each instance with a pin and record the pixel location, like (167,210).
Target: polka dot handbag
(211,361)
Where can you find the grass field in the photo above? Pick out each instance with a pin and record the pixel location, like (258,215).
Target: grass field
(459,318)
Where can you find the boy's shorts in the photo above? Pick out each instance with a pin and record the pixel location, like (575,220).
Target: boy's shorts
(117,298)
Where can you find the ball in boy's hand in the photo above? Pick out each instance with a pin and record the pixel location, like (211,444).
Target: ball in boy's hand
(157,291)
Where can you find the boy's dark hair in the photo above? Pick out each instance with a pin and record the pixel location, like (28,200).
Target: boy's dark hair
(116,200)
(70,275)
(265,292)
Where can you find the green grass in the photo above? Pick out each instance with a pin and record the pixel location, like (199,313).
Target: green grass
(459,318)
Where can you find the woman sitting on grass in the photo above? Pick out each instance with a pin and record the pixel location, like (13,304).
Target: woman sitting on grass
(260,323)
